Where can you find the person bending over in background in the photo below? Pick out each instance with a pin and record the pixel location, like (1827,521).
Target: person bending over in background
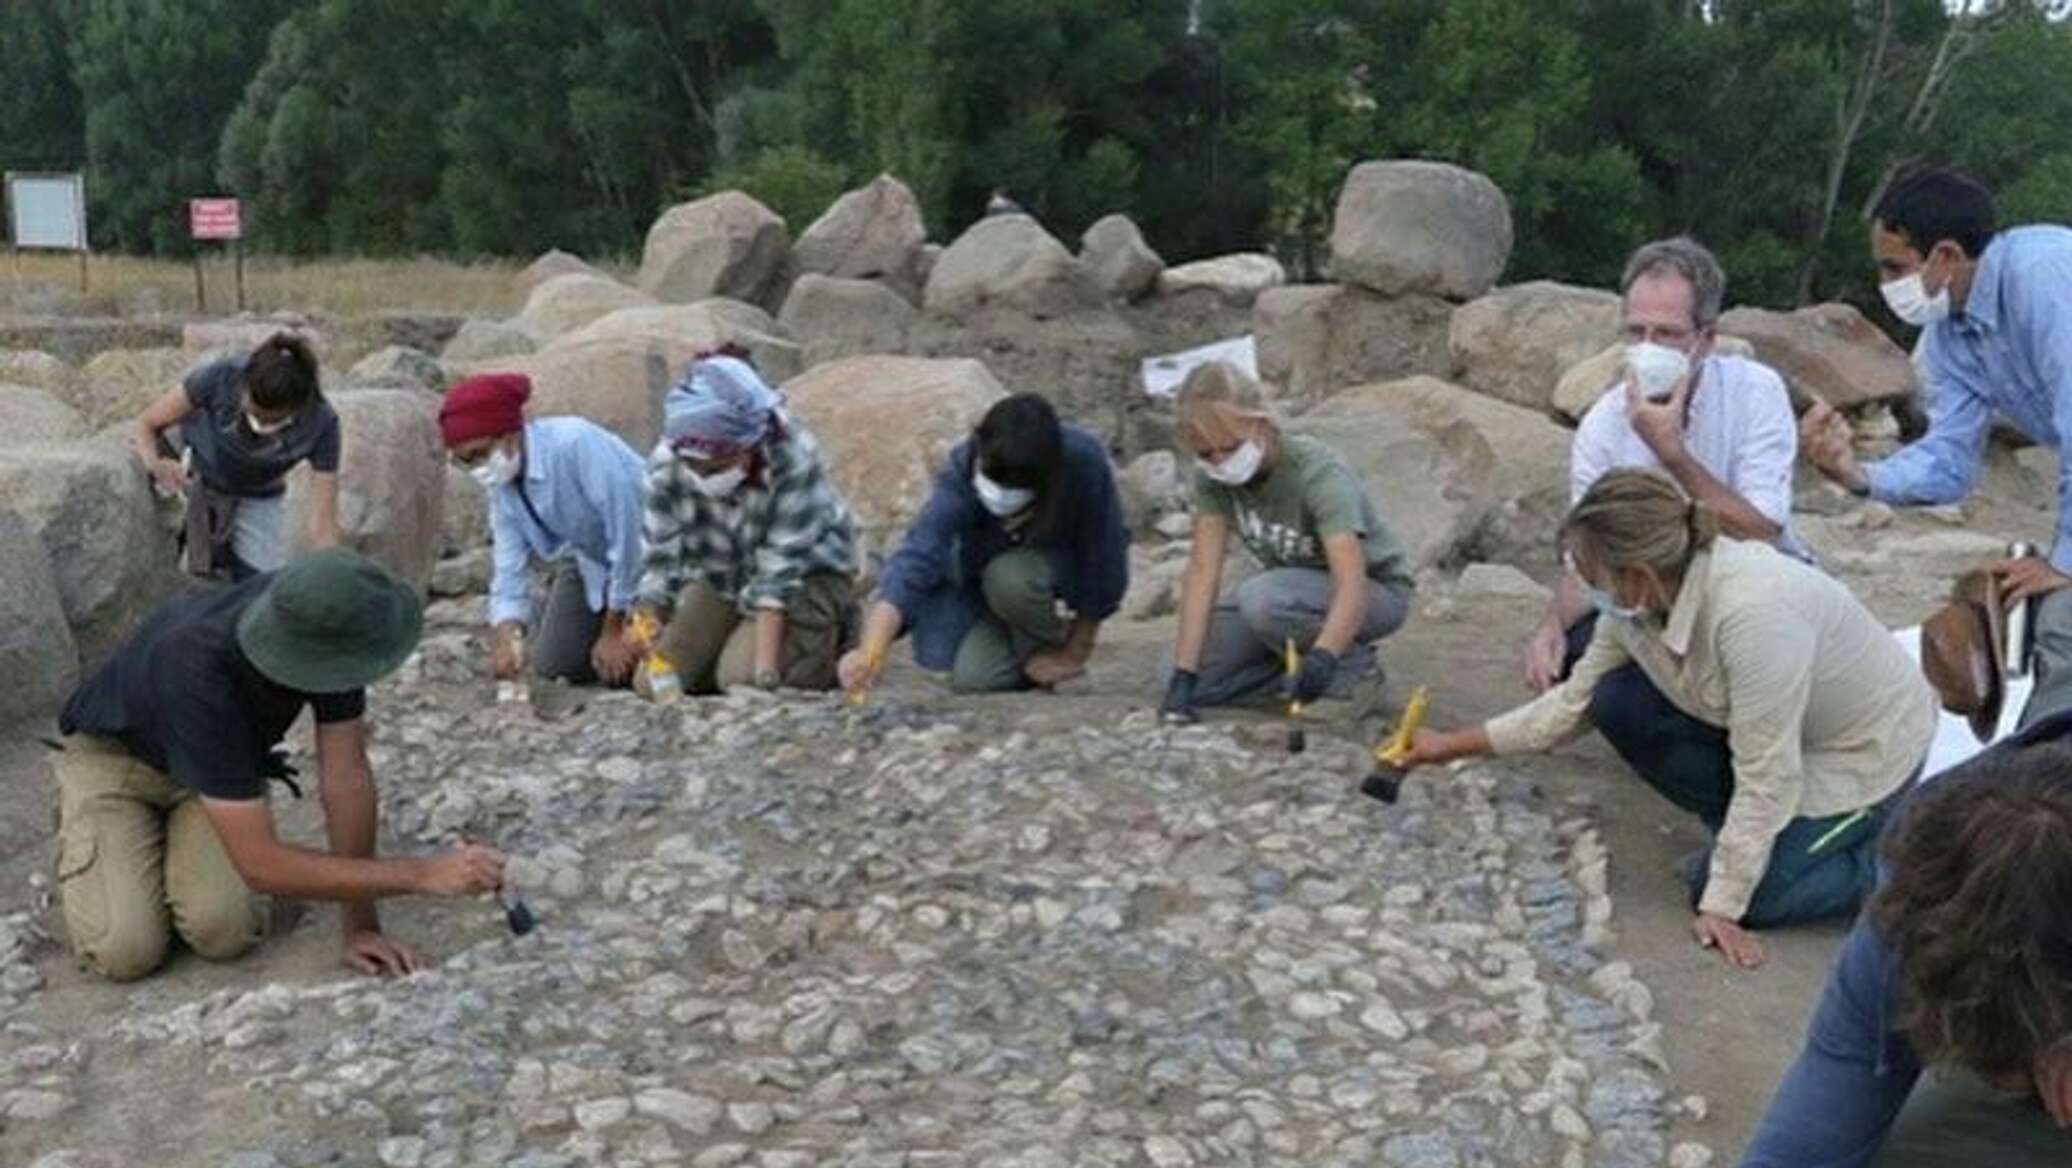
(245,424)
(1013,563)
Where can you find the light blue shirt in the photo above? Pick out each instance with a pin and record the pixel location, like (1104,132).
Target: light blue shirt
(584,486)
(2009,352)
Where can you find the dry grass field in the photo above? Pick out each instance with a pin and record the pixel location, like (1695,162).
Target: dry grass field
(119,285)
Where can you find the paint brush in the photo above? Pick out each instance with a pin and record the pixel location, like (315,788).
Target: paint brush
(1385,781)
(1298,738)
(517,914)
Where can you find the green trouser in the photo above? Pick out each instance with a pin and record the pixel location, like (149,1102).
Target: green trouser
(712,643)
(1954,1118)
(138,861)
(1021,618)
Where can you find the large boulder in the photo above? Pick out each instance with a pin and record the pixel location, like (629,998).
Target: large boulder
(111,555)
(601,371)
(36,648)
(32,417)
(1586,381)
(402,367)
(1237,278)
(1316,339)
(1420,227)
(563,304)
(1087,363)
(119,383)
(245,332)
(1458,476)
(486,340)
(1122,265)
(885,470)
(1155,485)
(1516,342)
(1828,351)
(391,481)
(464,518)
(725,245)
(1008,262)
(874,232)
(39,370)
(834,318)
(549,265)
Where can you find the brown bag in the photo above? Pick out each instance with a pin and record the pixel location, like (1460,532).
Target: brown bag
(1962,651)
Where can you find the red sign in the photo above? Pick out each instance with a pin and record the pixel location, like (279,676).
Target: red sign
(215,218)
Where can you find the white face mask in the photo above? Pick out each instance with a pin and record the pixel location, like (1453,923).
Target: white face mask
(1608,605)
(1241,467)
(1000,501)
(1657,368)
(1909,300)
(499,468)
(268,429)
(718,486)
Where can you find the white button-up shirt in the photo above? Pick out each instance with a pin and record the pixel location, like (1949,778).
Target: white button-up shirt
(1740,429)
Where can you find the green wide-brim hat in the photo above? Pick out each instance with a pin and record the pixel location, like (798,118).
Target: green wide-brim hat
(331,621)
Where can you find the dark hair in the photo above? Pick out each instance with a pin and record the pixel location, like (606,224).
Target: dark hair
(282,374)
(1928,206)
(1978,908)
(1019,443)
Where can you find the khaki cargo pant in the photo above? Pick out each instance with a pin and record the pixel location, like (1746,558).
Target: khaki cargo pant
(137,861)
(712,644)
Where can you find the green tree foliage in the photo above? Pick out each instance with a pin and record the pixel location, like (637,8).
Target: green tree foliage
(1764,127)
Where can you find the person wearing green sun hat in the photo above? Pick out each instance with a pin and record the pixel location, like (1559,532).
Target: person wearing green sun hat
(164,828)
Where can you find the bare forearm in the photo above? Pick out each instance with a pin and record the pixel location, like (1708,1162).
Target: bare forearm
(352,818)
(1568,605)
(1197,600)
(769,639)
(144,443)
(1736,517)
(881,628)
(1469,742)
(1343,619)
(305,874)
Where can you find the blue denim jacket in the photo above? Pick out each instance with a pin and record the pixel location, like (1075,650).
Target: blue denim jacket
(1838,1100)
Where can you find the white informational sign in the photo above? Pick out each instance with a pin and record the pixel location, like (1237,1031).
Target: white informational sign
(46,211)
(1954,742)
(1163,375)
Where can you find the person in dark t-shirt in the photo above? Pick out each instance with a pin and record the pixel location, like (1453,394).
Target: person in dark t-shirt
(164,825)
(244,425)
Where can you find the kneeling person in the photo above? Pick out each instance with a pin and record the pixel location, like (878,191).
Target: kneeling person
(1016,559)
(751,550)
(163,820)
(561,490)
(1337,580)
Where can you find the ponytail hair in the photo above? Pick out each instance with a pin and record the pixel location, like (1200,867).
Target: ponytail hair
(1639,519)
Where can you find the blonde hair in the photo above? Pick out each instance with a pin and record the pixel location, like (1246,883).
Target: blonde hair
(1215,396)
(1638,519)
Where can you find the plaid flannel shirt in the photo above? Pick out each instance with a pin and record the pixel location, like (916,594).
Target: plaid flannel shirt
(755,547)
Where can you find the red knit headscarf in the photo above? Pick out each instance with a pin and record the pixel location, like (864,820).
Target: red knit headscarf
(487,405)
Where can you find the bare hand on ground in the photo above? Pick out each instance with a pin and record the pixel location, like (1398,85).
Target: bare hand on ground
(465,871)
(2027,577)
(1053,666)
(375,955)
(1544,655)
(506,659)
(858,671)
(614,656)
(1736,945)
(1826,440)
(170,476)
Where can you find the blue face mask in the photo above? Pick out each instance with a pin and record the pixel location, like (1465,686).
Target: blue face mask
(1608,605)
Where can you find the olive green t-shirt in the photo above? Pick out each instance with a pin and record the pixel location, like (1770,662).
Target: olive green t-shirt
(1311,495)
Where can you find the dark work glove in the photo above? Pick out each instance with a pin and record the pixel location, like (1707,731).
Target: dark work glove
(1179,699)
(1319,666)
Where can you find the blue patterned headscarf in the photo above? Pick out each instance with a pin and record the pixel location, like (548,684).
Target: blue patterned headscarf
(721,407)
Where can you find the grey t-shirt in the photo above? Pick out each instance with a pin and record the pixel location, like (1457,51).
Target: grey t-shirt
(229,457)
(1310,495)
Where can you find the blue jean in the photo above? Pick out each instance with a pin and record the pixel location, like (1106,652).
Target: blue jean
(1689,762)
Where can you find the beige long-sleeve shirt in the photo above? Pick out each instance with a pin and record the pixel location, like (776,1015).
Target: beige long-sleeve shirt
(1824,712)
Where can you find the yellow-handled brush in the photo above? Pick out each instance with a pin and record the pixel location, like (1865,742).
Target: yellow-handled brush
(1298,738)
(1386,780)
